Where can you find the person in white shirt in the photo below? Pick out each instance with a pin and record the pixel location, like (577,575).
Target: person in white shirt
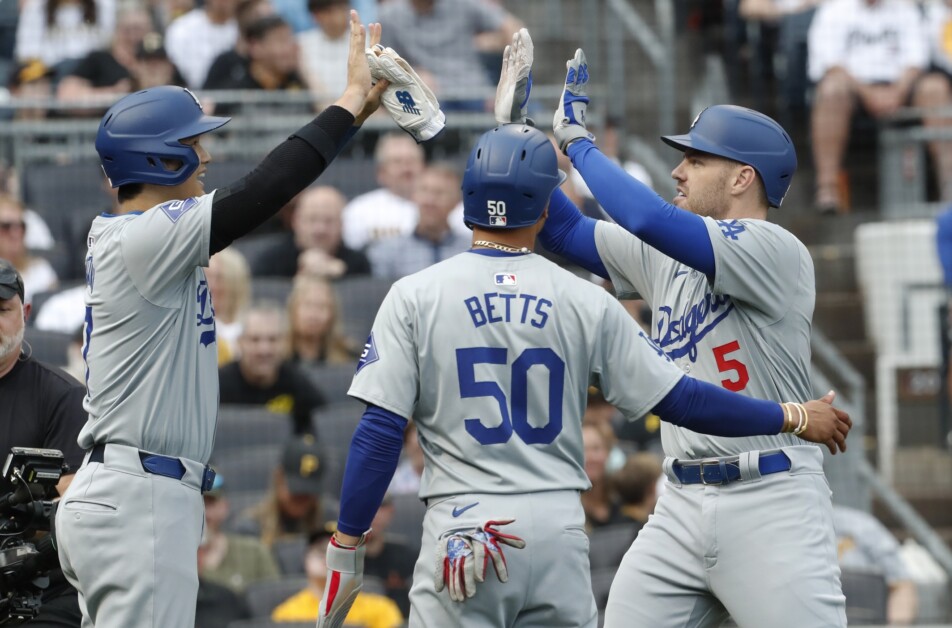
(194,40)
(323,50)
(935,88)
(59,30)
(866,52)
(389,210)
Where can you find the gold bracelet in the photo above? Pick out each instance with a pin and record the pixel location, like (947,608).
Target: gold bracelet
(787,427)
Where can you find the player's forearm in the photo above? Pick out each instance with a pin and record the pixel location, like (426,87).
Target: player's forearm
(371,463)
(287,170)
(709,409)
(569,233)
(636,207)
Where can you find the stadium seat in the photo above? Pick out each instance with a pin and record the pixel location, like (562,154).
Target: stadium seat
(275,289)
(251,247)
(48,346)
(333,380)
(335,423)
(408,513)
(238,503)
(866,596)
(608,544)
(602,584)
(63,189)
(246,426)
(289,554)
(264,596)
(247,468)
(359,298)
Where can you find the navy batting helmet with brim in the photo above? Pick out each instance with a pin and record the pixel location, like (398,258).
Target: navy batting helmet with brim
(509,178)
(746,136)
(145,128)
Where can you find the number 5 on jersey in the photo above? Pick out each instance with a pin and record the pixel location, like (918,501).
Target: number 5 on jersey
(515,410)
(731,365)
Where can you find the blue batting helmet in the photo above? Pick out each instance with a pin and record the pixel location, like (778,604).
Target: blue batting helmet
(144,128)
(746,136)
(509,178)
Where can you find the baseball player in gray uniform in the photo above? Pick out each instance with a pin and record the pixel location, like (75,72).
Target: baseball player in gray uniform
(745,528)
(491,353)
(130,524)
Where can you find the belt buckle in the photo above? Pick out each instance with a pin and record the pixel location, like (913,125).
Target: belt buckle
(710,462)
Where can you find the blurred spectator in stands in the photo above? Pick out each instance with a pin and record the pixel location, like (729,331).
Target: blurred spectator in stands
(437,193)
(229,281)
(293,504)
(935,89)
(636,485)
(609,143)
(218,606)
(406,479)
(866,52)
(369,610)
(153,67)
(422,31)
(316,336)
(57,31)
(315,244)
(263,375)
(599,503)
(323,50)
(107,72)
(31,80)
(863,543)
(38,234)
(232,64)
(38,274)
(390,559)
(164,12)
(232,560)
(196,38)
(272,61)
(793,18)
(64,311)
(389,210)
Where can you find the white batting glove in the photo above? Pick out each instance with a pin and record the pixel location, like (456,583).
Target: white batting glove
(345,579)
(515,80)
(568,124)
(463,555)
(411,103)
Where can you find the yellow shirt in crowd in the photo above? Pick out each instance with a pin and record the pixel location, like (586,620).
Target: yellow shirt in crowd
(369,610)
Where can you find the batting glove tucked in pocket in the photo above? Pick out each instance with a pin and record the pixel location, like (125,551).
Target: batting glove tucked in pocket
(463,555)
(411,103)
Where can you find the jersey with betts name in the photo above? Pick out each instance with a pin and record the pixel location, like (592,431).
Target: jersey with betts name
(748,332)
(150,351)
(492,357)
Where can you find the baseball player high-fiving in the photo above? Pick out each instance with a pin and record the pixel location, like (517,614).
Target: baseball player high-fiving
(491,353)
(746,527)
(130,524)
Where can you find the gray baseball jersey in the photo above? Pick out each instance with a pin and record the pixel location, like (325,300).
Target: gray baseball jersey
(150,351)
(492,357)
(749,331)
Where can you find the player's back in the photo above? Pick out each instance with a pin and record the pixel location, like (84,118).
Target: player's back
(493,362)
(152,378)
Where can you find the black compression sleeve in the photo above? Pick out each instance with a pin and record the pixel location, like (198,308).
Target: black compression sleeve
(288,169)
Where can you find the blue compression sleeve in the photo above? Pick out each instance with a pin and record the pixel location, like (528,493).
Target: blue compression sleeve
(371,463)
(944,244)
(571,234)
(709,409)
(677,233)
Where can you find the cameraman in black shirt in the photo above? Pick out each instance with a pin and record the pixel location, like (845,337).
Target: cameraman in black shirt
(40,406)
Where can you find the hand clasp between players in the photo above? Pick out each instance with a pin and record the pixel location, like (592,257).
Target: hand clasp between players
(819,422)
(463,555)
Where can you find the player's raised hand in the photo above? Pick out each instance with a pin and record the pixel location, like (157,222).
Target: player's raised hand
(358,72)
(345,565)
(568,124)
(408,99)
(515,80)
(372,102)
(823,423)
(463,555)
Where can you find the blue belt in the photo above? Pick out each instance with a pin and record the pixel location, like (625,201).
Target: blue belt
(726,470)
(165,466)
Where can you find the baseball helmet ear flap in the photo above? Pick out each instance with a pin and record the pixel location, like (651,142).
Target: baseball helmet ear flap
(141,135)
(746,136)
(509,177)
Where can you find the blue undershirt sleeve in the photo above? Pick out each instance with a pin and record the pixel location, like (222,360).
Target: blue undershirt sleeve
(371,463)
(571,234)
(944,245)
(677,233)
(709,409)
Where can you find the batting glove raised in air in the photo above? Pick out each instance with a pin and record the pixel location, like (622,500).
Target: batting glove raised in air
(345,578)
(515,80)
(568,124)
(463,555)
(411,104)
